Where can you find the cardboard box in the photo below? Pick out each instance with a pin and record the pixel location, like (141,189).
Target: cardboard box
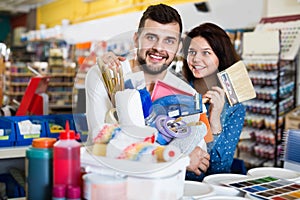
(292,119)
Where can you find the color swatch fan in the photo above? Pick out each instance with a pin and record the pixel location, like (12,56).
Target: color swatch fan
(236,83)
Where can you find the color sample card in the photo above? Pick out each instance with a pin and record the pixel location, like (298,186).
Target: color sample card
(289,39)
(268,187)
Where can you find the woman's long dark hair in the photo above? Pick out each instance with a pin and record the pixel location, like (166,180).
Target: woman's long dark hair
(220,43)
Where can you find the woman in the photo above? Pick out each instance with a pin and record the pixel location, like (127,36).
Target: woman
(207,50)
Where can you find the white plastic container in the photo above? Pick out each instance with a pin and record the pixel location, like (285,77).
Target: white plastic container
(97,186)
(146,181)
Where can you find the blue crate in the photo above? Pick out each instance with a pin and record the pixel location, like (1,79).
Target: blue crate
(9,132)
(26,139)
(13,188)
(58,120)
(78,123)
(81,125)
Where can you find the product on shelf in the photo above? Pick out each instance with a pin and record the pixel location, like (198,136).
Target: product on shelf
(274,82)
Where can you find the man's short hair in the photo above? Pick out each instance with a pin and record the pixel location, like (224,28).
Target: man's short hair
(161,13)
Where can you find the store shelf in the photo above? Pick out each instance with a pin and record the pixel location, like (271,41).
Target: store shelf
(12,152)
(274,82)
(15,74)
(55,106)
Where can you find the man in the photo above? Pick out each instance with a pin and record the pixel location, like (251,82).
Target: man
(157,40)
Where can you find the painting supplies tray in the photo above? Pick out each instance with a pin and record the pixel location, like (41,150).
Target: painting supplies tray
(147,180)
(267,187)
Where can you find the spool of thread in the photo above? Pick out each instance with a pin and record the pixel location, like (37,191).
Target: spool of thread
(166,153)
(129,108)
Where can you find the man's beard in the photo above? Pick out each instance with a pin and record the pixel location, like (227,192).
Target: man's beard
(148,69)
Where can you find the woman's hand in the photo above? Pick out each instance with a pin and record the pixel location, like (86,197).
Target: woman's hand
(216,98)
(199,161)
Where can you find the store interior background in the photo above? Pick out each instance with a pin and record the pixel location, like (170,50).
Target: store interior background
(91,23)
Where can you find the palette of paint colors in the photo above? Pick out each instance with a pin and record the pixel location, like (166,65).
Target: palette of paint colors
(196,190)
(275,172)
(215,180)
(268,188)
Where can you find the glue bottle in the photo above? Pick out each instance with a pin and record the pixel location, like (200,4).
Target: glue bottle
(66,159)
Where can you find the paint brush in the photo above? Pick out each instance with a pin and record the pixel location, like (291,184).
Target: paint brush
(113,79)
(236,83)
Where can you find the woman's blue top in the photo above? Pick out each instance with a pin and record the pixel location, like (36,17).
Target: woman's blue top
(223,147)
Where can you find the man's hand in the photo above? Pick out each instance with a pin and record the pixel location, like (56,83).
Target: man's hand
(111,60)
(199,161)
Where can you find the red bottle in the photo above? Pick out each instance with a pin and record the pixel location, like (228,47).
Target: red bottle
(66,159)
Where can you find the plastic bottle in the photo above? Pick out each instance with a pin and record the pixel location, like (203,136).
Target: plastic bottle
(66,159)
(39,164)
(59,192)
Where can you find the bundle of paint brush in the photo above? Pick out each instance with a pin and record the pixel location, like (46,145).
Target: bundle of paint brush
(112,78)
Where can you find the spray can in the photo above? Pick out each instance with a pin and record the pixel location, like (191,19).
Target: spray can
(39,177)
(66,159)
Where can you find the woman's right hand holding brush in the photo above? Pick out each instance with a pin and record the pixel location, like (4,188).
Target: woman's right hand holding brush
(216,98)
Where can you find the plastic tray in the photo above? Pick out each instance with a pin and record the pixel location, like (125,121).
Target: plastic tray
(24,140)
(9,132)
(56,123)
(81,126)
(78,123)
